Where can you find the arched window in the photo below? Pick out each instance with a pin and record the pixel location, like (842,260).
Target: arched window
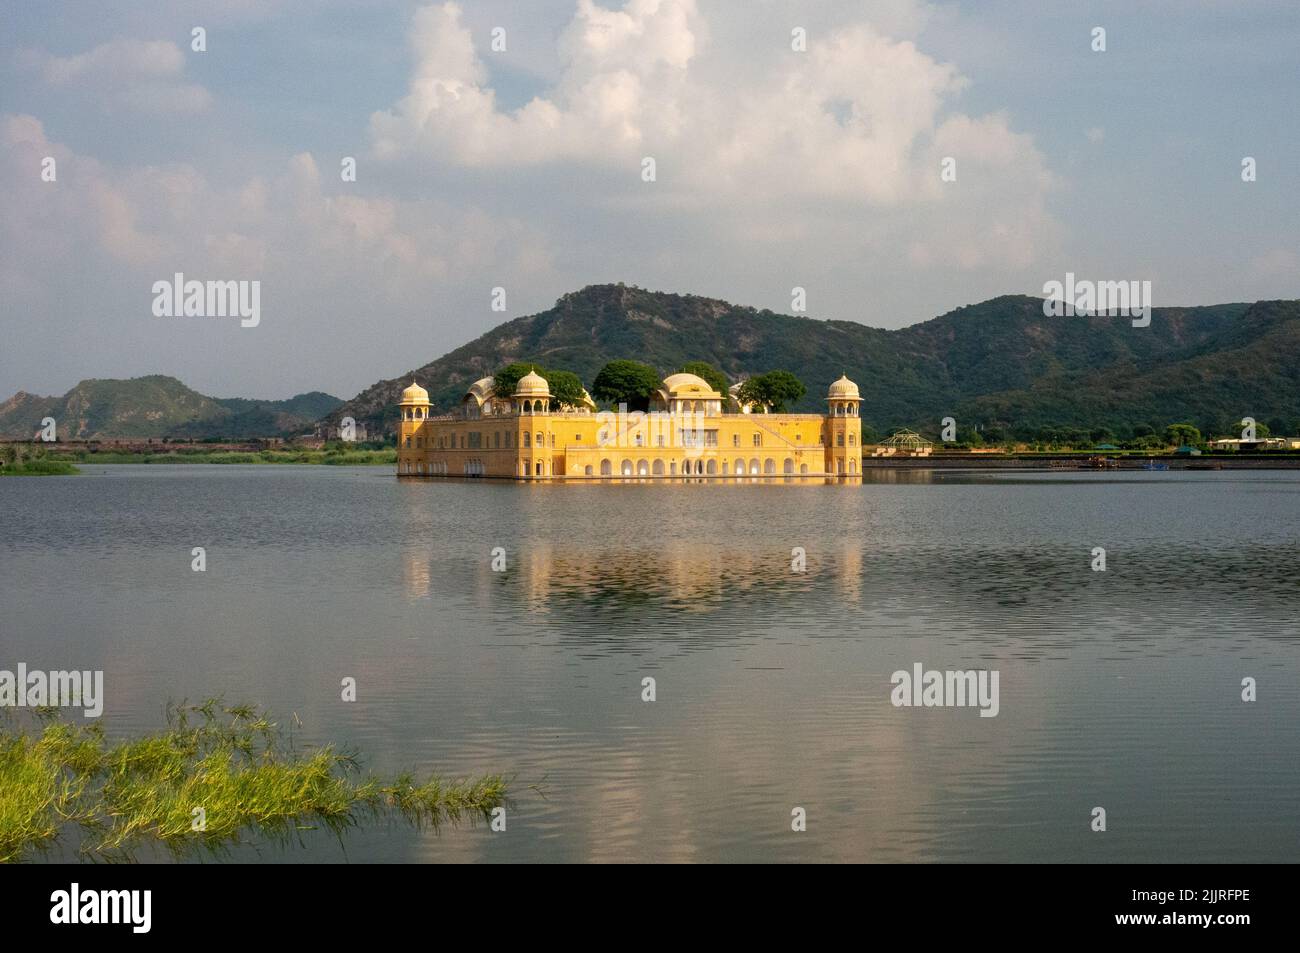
(713,468)
(626,468)
(839,440)
(659,468)
(528,439)
(754,468)
(852,440)
(788,467)
(803,468)
(739,468)
(606,468)
(769,466)
(643,468)
(587,470)
(541,440)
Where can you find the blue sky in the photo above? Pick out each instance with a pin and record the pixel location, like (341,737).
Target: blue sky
(520,168)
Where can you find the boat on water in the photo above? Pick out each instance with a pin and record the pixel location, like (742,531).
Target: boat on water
(1152,465)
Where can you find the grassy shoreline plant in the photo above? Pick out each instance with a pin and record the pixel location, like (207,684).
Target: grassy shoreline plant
(231,761)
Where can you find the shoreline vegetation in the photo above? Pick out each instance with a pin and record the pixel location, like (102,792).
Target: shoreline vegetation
(215,778)
(332,457)
(61,459)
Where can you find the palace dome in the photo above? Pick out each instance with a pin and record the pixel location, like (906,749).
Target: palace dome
(532,384)
(481,389)
(843,389)
(688,385)
(415,394)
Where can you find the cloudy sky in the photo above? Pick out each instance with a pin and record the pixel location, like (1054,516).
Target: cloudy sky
(522,168)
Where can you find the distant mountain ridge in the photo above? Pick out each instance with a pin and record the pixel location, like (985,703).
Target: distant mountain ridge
(1000,363)
(157,406)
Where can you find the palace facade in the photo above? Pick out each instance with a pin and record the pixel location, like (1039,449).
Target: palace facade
(527,435)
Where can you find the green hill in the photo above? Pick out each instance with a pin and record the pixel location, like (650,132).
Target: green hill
(999,364)
(158,406)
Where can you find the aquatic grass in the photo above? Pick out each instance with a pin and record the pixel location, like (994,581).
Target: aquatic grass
(40,466)
(232,762)
(332,457)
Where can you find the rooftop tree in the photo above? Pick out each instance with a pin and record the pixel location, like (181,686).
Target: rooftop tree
(773,391)
(626,382)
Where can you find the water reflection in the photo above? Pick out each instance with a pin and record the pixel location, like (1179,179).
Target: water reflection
(1118,687)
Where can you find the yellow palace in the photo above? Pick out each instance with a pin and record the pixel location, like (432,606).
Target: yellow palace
(685,434)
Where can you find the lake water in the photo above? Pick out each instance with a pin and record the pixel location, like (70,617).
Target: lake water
(1119,689)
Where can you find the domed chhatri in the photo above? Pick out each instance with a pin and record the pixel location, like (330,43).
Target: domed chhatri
(843,389)
(415,394)
(532,384)
(531,435)
(843,398)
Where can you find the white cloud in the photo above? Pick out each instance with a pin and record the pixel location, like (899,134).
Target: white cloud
(140,75)
(861,119)
(82,253)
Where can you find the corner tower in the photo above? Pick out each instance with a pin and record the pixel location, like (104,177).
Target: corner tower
(843,429)
(414,409)
(535,443)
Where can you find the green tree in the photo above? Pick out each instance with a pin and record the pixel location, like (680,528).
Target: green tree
(566,388)
(626,382)
(1180,435)
(773,391)
(710,374)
